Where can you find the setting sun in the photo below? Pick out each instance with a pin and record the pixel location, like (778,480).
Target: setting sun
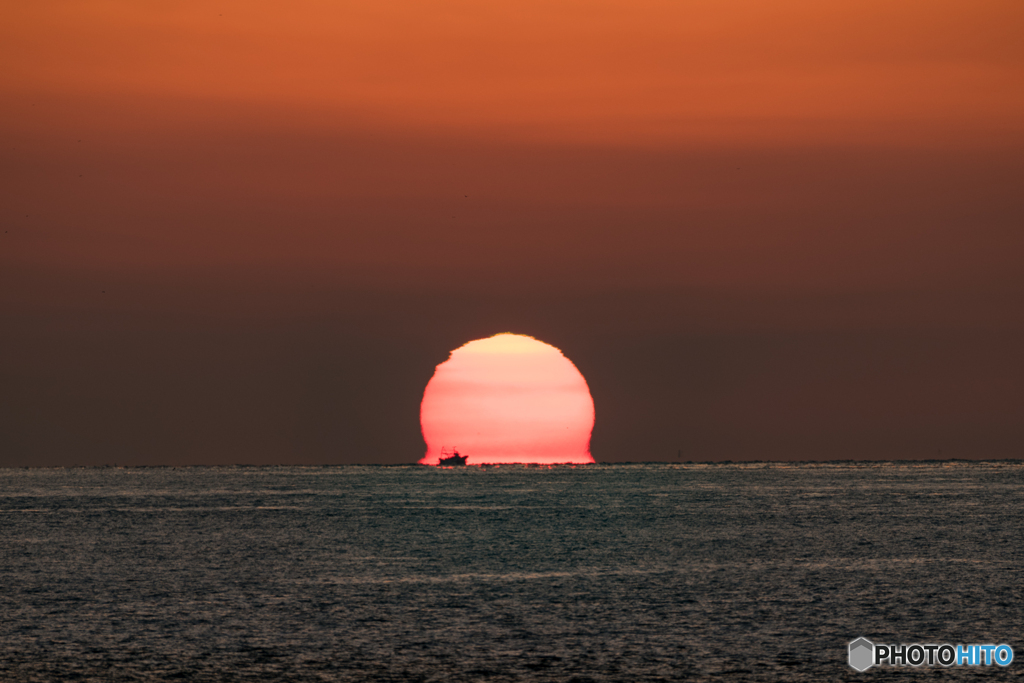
(508,399)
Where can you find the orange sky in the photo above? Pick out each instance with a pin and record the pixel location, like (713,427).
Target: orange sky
(622,73)
(361,124)
(606,175)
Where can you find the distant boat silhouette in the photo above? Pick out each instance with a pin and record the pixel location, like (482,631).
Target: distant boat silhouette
(451,460)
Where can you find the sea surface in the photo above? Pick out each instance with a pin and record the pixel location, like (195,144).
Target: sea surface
(725,572)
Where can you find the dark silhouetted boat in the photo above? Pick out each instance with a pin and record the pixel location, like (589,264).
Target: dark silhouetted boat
(451,460)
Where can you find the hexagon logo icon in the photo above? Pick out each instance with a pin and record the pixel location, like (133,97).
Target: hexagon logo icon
(862,654)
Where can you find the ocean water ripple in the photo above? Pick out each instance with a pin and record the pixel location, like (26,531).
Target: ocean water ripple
(746,572)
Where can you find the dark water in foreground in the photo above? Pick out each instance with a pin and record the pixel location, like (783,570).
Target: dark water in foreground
(600,573)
